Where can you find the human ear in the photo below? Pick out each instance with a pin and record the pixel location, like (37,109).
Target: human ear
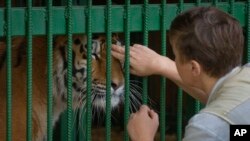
(195,68)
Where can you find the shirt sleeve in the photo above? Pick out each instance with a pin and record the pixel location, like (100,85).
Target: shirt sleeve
(206,127)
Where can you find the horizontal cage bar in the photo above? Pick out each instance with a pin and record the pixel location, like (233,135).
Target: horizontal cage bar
(98,18)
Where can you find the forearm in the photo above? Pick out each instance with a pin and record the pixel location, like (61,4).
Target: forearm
(167,68)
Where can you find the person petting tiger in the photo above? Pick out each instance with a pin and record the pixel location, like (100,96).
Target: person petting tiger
(208,47)
(39,94)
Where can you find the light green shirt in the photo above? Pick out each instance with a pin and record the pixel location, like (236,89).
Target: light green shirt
(228,103)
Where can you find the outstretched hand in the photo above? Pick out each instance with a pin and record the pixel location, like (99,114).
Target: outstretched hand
(143,61)
(142,125)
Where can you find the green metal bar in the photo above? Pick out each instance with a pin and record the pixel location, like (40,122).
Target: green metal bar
(69,69)
(248,31)
(197,103)
(180,6)
(180,94)
(89,70)
(198,2)
(197,106)
(8,72)
(232,9)
(108,70)
(163,79)
(29,71)
(127,66)
(50,72)
(63,128)
(145,42)
(98,18)
(215,3)
(179,115)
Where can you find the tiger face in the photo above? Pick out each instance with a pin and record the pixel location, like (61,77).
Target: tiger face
(79,72)
(40,77)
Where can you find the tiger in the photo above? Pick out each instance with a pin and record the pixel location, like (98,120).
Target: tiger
(39,83)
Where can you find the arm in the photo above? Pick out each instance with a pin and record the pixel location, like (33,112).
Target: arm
(145,61)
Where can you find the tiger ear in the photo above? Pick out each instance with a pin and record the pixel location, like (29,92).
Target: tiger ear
(115,35)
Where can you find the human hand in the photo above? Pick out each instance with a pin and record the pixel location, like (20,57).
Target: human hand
(142,125)
(143,60)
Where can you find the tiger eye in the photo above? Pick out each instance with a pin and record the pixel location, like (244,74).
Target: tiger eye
(77,41)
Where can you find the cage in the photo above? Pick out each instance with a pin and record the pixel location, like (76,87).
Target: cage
(145,22)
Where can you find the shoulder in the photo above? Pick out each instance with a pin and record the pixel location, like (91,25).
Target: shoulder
(206,127)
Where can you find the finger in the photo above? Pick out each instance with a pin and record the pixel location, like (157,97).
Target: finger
(132,71)
(132,116)
(137,48)
(118,52)
(133,55)
(135,72)
(117,48)
(144,108)
(117,55)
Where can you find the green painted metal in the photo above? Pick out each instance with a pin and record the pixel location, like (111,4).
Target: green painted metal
(198,2)
(89,70)
(145,42)
(179,114)
(69,69)
(127,23)
(50,72)
(163,79)
(248,31)
(215,2)
(64,128)
(98,18)
(197,103)
(231,8)
(29,71)
(197,106)
(108,70)
(180,94)
(8,72)
(180,6)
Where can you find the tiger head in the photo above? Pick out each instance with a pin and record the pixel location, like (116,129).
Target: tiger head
(79,71)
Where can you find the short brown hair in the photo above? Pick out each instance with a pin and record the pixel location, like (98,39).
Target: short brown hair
(209,36)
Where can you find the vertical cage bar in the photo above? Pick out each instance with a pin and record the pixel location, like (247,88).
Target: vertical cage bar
(127,68)
(29,72)
(180,93)
(197,103)
(198,2)
(89,70)
(163,79)
(180,6)
(215,2)
(108,70)
(197,106)
(50,72)
(145,42)
(232,9)
(69,70)
(8,73)
(248,31)
(179,115)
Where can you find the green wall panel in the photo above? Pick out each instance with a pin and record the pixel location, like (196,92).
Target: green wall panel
(98,18)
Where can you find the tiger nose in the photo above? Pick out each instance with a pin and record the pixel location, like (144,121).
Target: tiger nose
(114,85)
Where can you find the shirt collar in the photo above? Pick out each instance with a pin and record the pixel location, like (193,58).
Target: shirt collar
(219,82)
